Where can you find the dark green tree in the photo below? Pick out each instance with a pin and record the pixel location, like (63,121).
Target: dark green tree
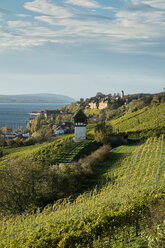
(102,133)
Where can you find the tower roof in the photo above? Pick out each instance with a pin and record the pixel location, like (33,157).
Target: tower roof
(80,117)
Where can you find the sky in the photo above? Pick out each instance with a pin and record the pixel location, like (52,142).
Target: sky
(81,47)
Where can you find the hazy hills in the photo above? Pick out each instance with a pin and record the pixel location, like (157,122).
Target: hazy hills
(36,98)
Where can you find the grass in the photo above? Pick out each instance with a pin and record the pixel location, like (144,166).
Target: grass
(116,155)
(92,112)
(9,153)
(13,150)
(71,152)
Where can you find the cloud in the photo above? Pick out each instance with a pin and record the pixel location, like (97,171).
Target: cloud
(89,4)
(109,8)
(22,15)
(155,3)
(143,5)
(4,11)
(19,24)
(132,29)
(84,3)
(48,8)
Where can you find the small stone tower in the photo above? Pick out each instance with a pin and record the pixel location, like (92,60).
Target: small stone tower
(80,120)
(122,94)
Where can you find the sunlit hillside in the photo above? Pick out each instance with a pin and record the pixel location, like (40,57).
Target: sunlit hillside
(116,215)
(62,150)
(144,122)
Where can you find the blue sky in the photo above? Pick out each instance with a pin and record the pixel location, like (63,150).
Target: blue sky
(80,47)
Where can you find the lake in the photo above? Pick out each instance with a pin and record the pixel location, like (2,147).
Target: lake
(14,115)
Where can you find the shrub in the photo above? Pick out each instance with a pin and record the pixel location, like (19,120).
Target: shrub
(102,133)
(158,238)
(66,179)
(1,153)
(96,157)
(26,184)
(19,181)
(43,134)
(2,142)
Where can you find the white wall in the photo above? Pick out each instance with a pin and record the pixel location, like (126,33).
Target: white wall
(80,133)
(58,132)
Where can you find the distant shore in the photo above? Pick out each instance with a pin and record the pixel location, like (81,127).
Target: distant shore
(36,98)
(14,115)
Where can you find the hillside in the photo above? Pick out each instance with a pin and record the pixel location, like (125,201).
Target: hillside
(119,214)
(62,150)
(83,195)
(145,122)
(34,176)
(36,98)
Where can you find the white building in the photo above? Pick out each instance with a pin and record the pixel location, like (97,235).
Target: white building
(65,127)
(80,120)
(122,94)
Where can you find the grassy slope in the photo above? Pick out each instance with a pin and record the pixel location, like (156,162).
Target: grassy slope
(92,111)
(131,174)
(62,150)
(100,174)
(12,152)
(143,120)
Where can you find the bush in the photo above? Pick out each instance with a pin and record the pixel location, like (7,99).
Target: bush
(2,142)
(96,157)
(43,134)
(66,179)
(29,142)
(19,180)
(102,133)
(24,184)
(158,238)
(1,153)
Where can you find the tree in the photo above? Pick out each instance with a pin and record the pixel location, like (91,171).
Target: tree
(10,142)
(18,142)
(2,142)
(102,132)
(6,130)
(43,134)
(36,124)
(59,119)
(20,129)
(19,185)
(1,153)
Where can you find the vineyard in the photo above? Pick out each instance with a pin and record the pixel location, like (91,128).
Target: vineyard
(107,217)
(146,121)
(62,150)
(8,153)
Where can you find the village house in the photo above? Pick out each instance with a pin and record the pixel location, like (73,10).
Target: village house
(51,113)
(15,135)
(105,103)
(94,104)
(65,127)
(58,129)
(101,101)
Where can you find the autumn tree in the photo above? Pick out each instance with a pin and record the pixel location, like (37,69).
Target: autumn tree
(102,133)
